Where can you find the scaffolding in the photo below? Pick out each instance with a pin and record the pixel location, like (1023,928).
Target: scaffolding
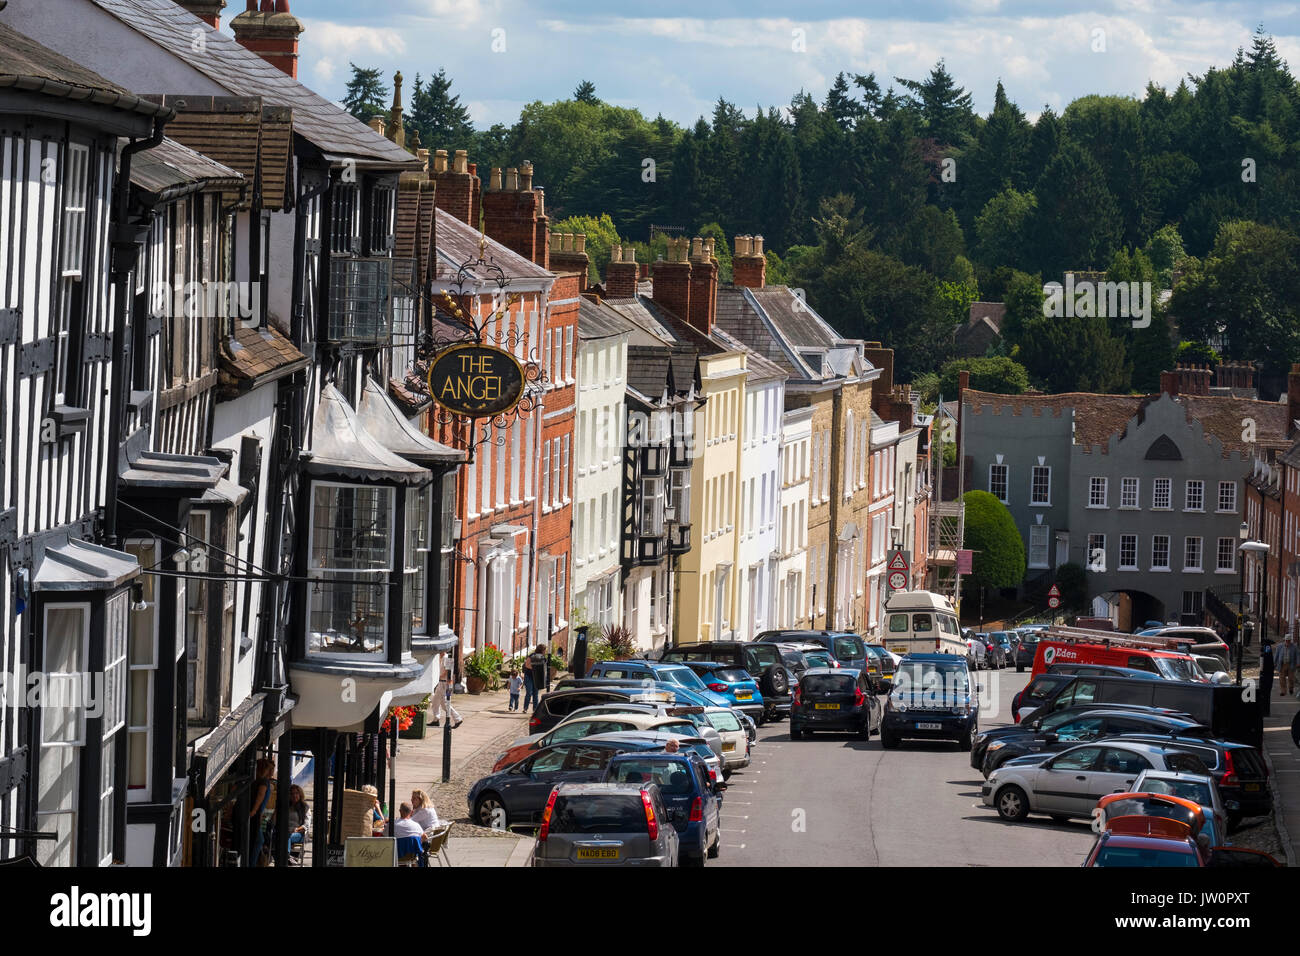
(947,518)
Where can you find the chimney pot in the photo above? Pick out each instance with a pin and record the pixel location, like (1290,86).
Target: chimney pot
(757,249)
(440,161)
(377,124)
(268,6)
(495,178)
(555,242)
(696,248)
(461,162)
(742,245)
(629,253)
(281,6)
(580,243)
(615,253)
(526,176)
(512,179)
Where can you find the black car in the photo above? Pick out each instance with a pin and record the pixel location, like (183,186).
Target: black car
(1056,734)
(1045,722)
(764,662)
(835,698)
(1026,650)
(932,697)
(884,660)
(845,646)
(1041,688)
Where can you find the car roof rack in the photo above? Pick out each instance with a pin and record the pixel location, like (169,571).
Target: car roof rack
(1088,635)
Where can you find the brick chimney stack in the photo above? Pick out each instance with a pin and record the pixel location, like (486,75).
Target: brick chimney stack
(621,273)
(672,280)
(569,254)
(883,359)
(1169,383)
(209,11)
(1193,379)
(749,265)
(271,32)
(514,214)
(455,186)
(704,285)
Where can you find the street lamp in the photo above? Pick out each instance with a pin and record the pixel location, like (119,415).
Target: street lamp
(1253,547)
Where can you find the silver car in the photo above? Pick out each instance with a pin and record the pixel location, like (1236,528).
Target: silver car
(1197,787)
(1070,783)
(605,824)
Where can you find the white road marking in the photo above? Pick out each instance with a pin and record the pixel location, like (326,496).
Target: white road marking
(735,846)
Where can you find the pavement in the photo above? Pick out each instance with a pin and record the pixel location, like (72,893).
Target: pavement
(487,725)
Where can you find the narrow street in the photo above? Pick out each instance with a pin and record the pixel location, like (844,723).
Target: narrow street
(838,801)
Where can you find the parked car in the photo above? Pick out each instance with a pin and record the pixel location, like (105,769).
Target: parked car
(683,701)
(1116,848)
(1005,651)
(712,762)
(835,698)
(1026,650)
(1237,768)
(733,683)
(565,699)
(696,714)
(888,661)
(517,795)
(847,647)
(691,806)
(1041,687)
(1069,784)
(664,672)
(606,824)
(793,657)
(763,662)
(735,742)
(1200,788)
(1049,722)
(819,657)
(932,697)
(583,725)
(976,653)
(1222,708)
(1082,727)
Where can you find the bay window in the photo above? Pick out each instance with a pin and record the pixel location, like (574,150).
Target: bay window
(351,558)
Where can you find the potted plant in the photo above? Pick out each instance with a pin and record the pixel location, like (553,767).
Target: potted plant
(419,722)
(483,669)
(405,717)
(621,643)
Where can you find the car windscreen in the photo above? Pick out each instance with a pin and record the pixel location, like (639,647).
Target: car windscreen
(673,776)
(1178,668)
(1042,688)
(682,726)
(849,648)
(1143,856)
(723,720)
(1195,790)
(599,813)
(819,659)
(918,676)
(681,675)
(828,683)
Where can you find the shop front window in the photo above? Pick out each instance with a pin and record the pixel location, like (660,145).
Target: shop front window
(448,549)
(419,527)
(351,558)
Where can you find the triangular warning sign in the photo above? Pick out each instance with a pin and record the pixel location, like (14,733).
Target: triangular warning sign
(899,563)
(1054,591)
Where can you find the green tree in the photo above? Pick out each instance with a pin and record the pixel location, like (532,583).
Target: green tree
(366,95)
(999,559)
(1000,375)
(1072,581)
(1077,224)
(586,92)
(1002,227)
(601,235)
(440,117)
(944,108)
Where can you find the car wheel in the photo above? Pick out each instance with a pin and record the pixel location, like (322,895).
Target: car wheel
(1012,803)
(864,732)
(775,681)
(888,740)
(716,848)
(489,810)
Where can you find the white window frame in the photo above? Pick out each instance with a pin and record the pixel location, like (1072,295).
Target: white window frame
(1230,486)
(1033,475)
(1154,551)
(1167,486)
(1044,546)
(1092,491)
(61,676)
(1130,501)
(1005,482)
(1187,495)
(1231,566)
(1096,542)
(1200,553)
(1124,541)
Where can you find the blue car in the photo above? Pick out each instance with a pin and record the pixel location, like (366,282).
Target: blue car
(734,683)
(693,808)
(666,673)
(516,796)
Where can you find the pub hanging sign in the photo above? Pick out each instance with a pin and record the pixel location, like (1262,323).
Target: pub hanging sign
(477,381)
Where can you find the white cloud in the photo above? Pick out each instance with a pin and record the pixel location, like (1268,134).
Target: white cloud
(349,39)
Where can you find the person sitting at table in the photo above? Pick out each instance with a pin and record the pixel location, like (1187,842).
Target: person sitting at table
(378,823)
(422,811)
(405,826)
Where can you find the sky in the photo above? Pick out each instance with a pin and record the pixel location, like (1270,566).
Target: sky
(501,54)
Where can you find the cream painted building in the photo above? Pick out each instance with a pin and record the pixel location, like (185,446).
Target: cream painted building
(792,561)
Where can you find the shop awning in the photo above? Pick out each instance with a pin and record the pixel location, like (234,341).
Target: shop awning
(150,470)
(76,565)
(221,748)
(341,447)
(224,492)
(386,423)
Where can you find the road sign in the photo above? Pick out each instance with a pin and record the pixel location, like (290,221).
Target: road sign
(965,561)
(1054,597)
(897,580)
(898,560)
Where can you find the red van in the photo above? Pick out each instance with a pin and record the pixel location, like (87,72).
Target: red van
(1170,665)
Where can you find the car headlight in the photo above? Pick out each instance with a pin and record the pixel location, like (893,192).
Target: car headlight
(899,706)
(980,738)
(996,745)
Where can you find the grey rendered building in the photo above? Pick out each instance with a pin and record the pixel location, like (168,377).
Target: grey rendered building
(1144,491)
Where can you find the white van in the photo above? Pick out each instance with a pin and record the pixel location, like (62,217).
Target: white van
(921,622)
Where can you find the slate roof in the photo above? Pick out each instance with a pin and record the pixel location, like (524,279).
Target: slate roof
(1098,417)
(236,131)
(781,327)
(329,128)
(458,243)
(758,368)
(27,65)
(599,321)
(171,169)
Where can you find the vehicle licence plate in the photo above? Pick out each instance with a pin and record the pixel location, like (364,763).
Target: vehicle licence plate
(1251,786)
(826,706)
(899,649)
(929,726)
(728,747)
(598,853)
(744,695)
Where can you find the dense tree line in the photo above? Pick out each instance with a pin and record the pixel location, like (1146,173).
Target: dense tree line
(894,204)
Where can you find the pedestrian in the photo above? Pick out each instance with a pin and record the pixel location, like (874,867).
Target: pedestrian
(537,664)
(442,701)
(1266,677)
(516,682)
(1286,658)
(262,806)
(530,688)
